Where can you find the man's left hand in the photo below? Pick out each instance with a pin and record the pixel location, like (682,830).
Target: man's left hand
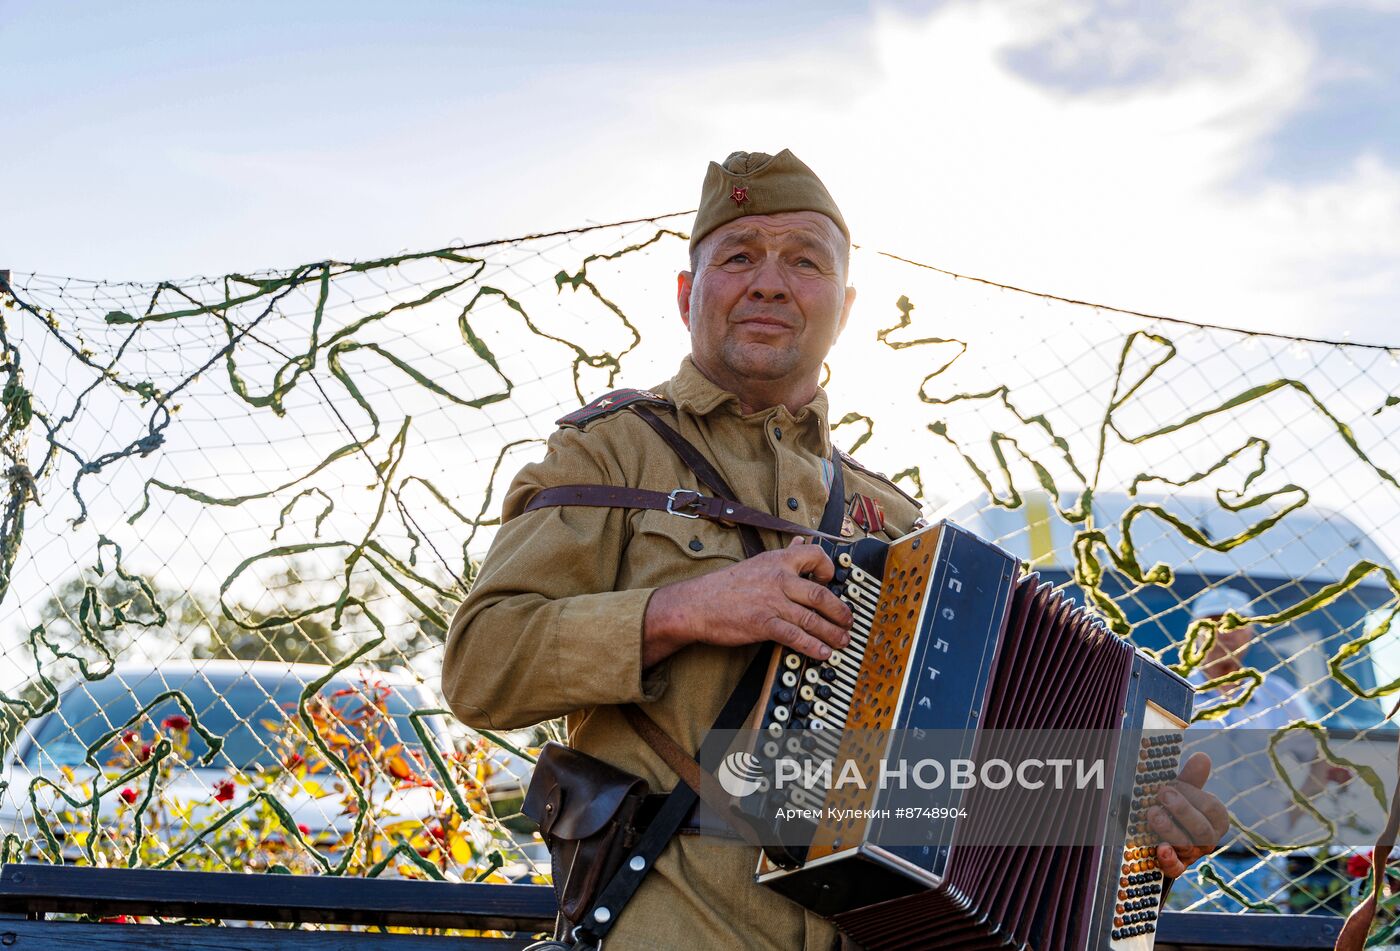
(1189,821)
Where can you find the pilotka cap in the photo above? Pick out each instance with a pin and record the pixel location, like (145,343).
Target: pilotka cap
(756,183)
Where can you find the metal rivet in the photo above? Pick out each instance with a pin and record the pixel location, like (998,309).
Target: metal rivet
(792,504)
(637,864)
(602,916)
(17,877)
(728,511)
(8,938)
(777,432)
(696,545)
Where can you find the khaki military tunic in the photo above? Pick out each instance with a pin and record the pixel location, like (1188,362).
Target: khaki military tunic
(553,627)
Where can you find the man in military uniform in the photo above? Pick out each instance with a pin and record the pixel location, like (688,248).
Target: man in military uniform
(579,610)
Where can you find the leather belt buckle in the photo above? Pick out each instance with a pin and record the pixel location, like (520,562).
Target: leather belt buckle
(681,499)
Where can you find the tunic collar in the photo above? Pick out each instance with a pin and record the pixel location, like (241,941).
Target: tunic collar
(695,393)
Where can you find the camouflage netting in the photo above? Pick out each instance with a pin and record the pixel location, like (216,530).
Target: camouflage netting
(240,511)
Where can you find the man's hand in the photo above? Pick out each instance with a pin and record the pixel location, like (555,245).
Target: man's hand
(1189,821)
(764,598)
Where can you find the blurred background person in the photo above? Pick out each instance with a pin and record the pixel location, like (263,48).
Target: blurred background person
(1245,777)
(1274,704)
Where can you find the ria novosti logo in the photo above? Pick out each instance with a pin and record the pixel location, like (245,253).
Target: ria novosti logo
(740,774)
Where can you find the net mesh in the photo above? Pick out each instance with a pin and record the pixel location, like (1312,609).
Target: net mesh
(241,510)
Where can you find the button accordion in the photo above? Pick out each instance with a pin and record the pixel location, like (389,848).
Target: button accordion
(950,635)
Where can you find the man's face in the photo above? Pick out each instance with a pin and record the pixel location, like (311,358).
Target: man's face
(765,303)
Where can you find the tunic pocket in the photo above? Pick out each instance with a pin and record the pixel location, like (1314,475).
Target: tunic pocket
(673,544)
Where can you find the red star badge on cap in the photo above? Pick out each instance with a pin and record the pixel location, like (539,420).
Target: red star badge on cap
(740,195)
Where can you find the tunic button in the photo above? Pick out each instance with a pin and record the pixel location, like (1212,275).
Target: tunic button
(792,504)
(777,432)
(696,544)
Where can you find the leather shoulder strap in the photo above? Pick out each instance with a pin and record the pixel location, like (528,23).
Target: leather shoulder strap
(625,882)
(704,471)
(610,403)
(835,512)
(683,503)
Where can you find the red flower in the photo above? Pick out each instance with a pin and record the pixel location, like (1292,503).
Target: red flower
(303,828)
(223,790)
(128,736)
(176,721)
(117,920)
(128,795)
(1359,866)
(438,832)
(294,760)
(145,753)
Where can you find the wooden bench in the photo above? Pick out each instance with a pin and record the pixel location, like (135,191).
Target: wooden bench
(29,892)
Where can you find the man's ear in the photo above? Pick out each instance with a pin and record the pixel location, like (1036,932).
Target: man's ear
(684,282)
(846,309)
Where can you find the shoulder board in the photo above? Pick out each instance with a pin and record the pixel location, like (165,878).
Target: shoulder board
(850,460)
(610,403)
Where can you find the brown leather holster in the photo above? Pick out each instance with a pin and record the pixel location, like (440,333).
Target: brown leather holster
(587,811)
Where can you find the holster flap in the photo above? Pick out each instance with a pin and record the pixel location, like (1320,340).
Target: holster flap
(573,795)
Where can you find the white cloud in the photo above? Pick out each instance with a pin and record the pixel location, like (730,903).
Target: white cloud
(1140,195)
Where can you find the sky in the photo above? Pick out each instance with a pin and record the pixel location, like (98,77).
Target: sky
(1232,163)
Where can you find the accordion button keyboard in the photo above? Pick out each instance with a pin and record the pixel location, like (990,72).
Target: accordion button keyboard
(1141,882)
(810,700)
